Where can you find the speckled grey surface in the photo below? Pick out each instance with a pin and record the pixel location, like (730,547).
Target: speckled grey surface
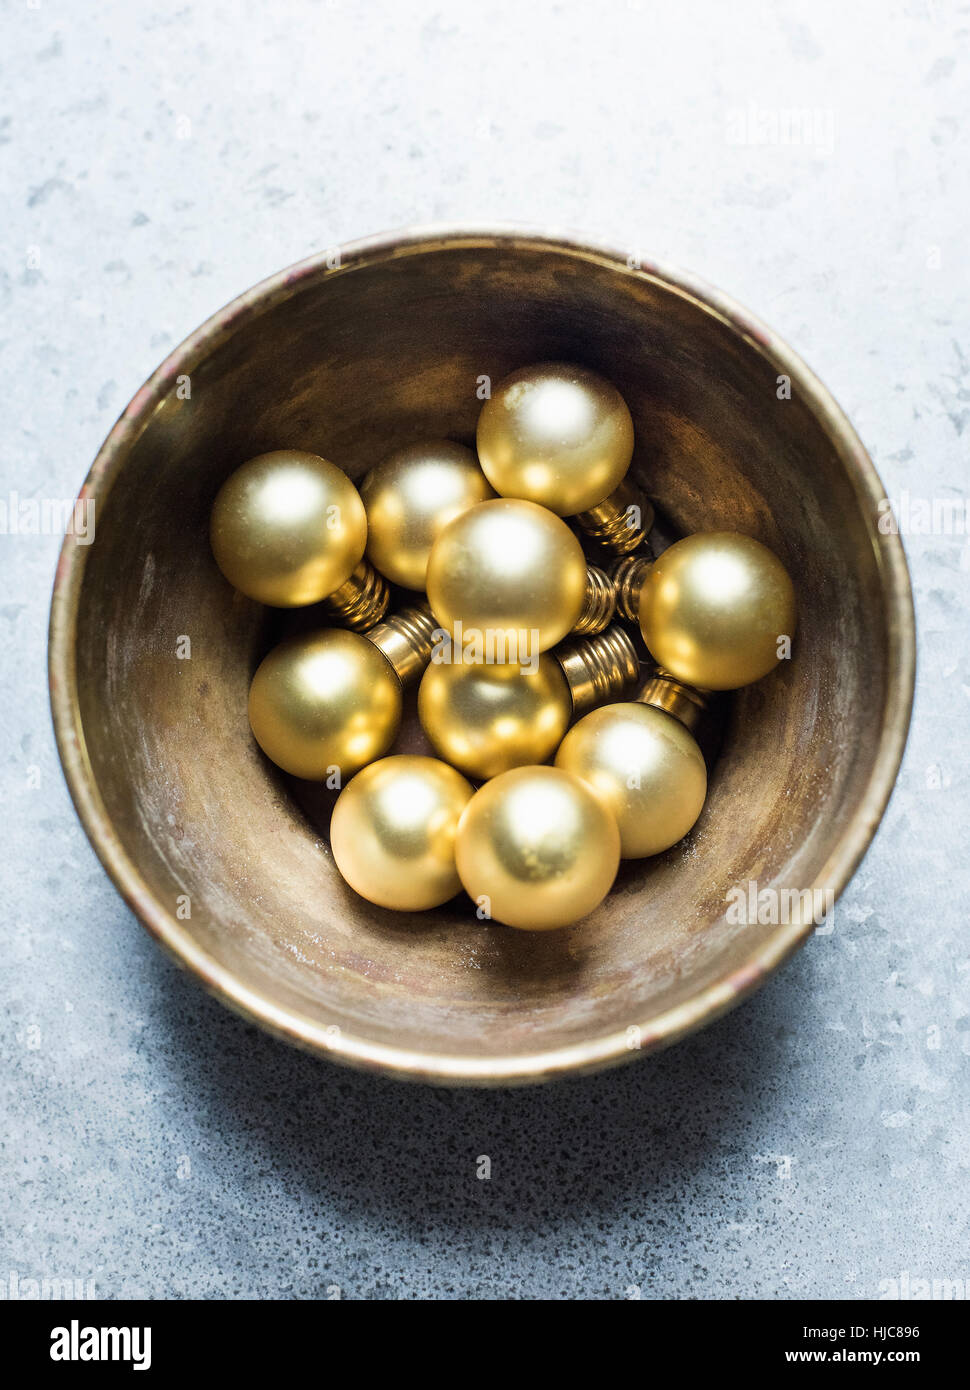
(158,159)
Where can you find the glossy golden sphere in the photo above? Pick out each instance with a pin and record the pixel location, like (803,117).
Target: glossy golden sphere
(713,607)
(288,528)
(556,434)
(645,768)
(324,705)
(393,832)
(536,849)
(486,718)
(511,571)
(411,497)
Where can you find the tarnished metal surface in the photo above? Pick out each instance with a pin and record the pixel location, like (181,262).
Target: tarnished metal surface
(227,862)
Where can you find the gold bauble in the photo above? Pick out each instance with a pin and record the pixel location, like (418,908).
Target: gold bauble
(322,706)
(713,607)
(288,528)
(644,767)
(488,718)
(555,434)
(511,571)
(411,497)
(393,832)
(536,849)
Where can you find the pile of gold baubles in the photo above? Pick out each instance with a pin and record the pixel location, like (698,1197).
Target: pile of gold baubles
(536,845)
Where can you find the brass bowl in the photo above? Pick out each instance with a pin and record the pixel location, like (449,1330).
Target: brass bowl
(226,861)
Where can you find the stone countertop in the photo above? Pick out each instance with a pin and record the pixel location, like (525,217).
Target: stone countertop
(159,159)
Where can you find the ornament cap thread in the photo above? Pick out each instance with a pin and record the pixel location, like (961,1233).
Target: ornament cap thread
(620,522)
(628,577)
(598,669)
(599,604)
(361,601)
(406,639)
(685,702)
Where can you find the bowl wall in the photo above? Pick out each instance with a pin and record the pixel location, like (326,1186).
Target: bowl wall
(227,861)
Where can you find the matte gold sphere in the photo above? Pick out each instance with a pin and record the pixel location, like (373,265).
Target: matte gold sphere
(324,705)
(713,607)
(536,849)
(393,832)
(556,434)
(645,768)
(488,718)
(288,528)
(411,497)
(511,571)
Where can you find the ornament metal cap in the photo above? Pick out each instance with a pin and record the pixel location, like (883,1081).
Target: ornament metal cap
(599,605)
(598,669)
(686,703)
(628,575)
(361,601)
(405,638)
(611,523)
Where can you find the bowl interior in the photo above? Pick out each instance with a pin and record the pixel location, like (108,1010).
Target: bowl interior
(232,858)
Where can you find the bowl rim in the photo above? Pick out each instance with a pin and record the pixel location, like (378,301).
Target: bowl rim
(463,1068)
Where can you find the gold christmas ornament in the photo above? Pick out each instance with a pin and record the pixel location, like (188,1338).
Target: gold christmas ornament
(323,705)
(410,497)
(562,436)
(514,573)
(393,832)
(555,434)
(644,767)
(486,718)
(536,849)
(288,528)
(713,609)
